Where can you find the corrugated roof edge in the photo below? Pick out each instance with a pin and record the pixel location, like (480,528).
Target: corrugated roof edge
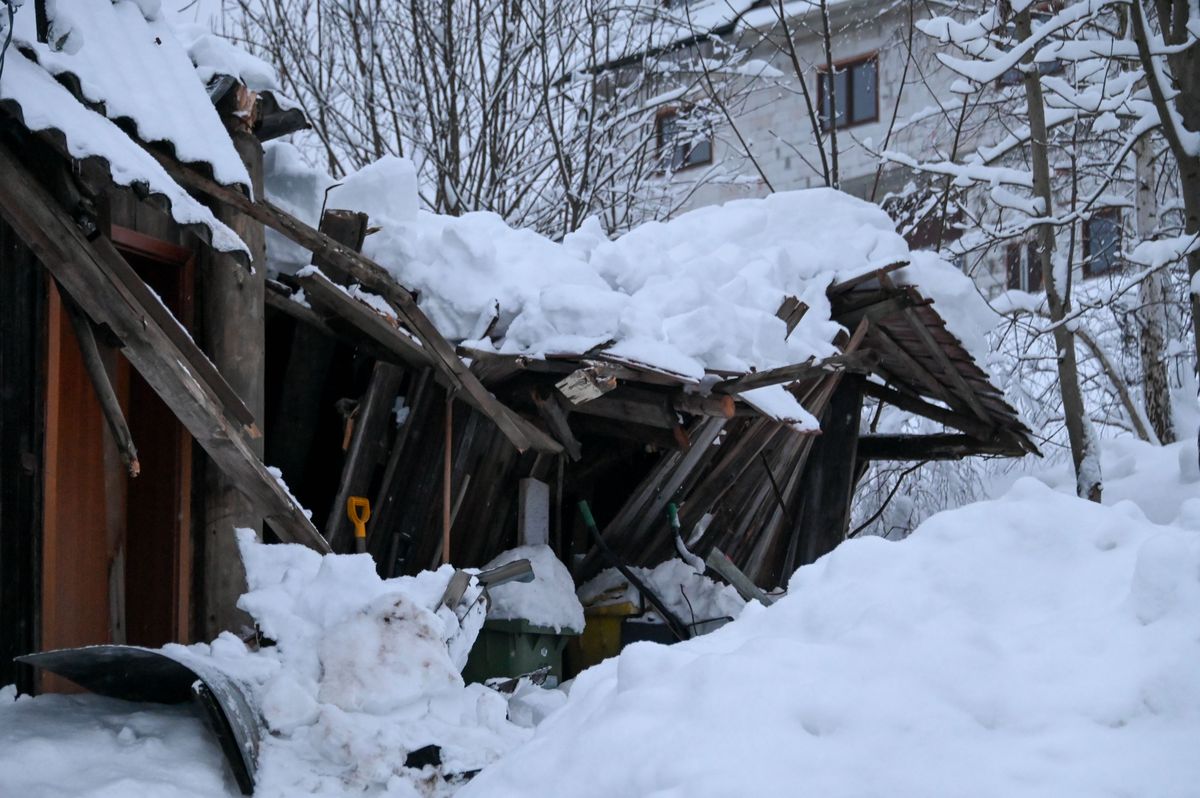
(71,82)
(57,139)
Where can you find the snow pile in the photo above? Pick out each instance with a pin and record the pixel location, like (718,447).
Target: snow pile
(365,671)
(86,746)
(691,597)
(1037,645)
(549,600)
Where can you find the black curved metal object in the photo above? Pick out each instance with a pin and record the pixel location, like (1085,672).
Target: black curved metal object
(140,674)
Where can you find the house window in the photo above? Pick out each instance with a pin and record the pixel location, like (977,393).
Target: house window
(855,92)
(1024,267)
(681,142)
(1102,243)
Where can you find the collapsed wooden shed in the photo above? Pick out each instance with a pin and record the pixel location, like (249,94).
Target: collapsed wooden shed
(117,358)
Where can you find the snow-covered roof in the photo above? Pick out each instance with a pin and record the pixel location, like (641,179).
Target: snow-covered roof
(695,298)
(43,104)
(127,63)
(112,79)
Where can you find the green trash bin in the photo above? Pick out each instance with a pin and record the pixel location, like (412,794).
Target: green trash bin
(510,648)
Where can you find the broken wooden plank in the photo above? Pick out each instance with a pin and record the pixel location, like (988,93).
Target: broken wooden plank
(376,279)
(86,272)
(866,277)
(791,311)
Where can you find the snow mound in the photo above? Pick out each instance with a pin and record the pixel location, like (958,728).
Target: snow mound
(549,600)
(1037,645)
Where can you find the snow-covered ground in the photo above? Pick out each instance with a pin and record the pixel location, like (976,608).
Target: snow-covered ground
(1031,645)
(1035,645)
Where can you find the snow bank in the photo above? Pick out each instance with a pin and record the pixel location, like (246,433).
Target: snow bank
(1038,645)
(549,600)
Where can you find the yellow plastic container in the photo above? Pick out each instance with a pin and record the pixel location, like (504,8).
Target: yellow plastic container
(601,636)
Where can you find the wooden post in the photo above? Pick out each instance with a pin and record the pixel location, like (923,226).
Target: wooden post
(828,479)
(233,334)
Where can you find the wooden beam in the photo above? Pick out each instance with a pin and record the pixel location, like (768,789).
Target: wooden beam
(853,282)
(550,408)
(86,272)
(973,427)
(828,481)
(637,406)
(110,405)
(376,279)
(855,362)
(942,446)
(334,300)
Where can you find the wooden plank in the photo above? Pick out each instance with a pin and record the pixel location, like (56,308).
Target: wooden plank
(948,446)
(118,270)
(331,298)
(635,406)
(376,279)
(854,282)
(346,227)
(587,384)
(85,271)
(791,311)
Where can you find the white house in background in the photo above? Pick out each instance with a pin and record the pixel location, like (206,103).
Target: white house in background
(875,83)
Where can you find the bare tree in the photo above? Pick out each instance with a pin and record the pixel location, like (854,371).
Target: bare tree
(543,111)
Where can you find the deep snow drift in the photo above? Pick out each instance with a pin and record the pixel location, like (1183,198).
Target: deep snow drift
(1036,645)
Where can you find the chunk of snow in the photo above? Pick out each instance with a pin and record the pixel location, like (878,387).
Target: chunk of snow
(549,600)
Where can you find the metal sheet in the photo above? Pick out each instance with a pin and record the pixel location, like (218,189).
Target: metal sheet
(140,674)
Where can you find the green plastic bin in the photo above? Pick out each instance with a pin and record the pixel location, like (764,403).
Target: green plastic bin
(513,647)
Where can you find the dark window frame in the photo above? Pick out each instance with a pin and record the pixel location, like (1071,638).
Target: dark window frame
(1089,265)
(1023,267)
(847,65)
(682,155)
